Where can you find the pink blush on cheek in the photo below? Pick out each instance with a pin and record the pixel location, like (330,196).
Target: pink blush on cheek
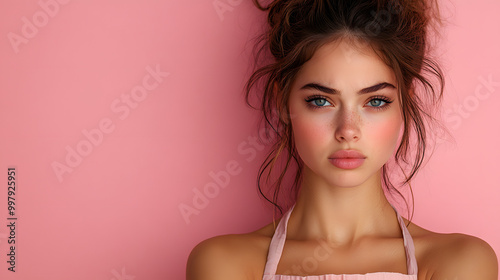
(385,132)
(309,134)
(315,128)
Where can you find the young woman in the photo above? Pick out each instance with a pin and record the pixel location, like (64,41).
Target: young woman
(343,79)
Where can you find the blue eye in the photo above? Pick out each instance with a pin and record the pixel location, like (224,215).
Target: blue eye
(378,100)
(376,104)
(318,101)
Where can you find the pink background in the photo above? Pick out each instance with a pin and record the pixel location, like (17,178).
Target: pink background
(116,214)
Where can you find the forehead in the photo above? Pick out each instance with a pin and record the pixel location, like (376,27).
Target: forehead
(346,64)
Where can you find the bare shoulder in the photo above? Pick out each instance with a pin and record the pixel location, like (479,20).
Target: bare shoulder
(453,255)
(467,257)
(232,256)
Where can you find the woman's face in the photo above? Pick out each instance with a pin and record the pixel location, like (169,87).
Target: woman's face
(335,104)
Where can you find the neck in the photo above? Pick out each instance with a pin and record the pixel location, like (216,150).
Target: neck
(342,215)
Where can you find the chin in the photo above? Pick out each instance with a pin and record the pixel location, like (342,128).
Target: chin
(351,180)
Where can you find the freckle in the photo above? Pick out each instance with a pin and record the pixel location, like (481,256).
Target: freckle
(354,118)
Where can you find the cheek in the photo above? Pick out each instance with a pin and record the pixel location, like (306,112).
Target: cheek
(310,133)
(385,134)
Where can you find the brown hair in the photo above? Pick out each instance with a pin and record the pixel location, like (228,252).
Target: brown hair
(398,32)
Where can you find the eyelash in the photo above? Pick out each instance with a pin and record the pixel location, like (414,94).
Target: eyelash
(378,97)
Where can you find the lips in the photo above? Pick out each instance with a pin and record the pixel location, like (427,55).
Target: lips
(347,159)
(344,154)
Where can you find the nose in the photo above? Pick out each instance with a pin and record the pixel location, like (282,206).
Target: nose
(348,126)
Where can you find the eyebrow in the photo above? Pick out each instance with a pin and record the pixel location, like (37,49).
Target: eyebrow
(328,90)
